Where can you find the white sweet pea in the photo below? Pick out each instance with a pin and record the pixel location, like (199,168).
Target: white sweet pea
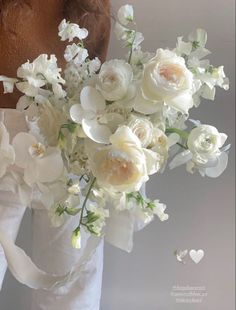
(87,114)
(41,164)
(75,52)
(8,84)
(114,79)
(122,166)
(7,154)
(70,31)
(165,79)
(36,75)
(198,38)
(121,32)
(159,210)
(98,212)
(142,128)
(126,14)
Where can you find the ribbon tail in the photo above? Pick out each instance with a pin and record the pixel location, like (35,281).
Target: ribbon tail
(27,273)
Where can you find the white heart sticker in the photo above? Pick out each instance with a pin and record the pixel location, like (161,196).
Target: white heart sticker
(196,256)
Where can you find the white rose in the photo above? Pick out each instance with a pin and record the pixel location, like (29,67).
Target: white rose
(165,79)
(205,142)
(7,154)
(142,128)
(114,79)
(120,167)
(126,14)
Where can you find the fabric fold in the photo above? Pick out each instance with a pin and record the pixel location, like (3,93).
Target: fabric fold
(26,272)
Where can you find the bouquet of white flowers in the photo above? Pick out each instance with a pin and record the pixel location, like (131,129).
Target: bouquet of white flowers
(98,131)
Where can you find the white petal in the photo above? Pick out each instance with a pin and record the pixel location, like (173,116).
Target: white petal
(91,99)
(173,139)
(152,161)
(21,144)
(215,172)
(77,113)
(223,138)
(27,89)
(181,159)
(144,106)
(182,102)
(48,168)
(96,132)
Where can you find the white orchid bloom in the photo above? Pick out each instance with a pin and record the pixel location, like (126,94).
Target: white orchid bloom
(7,154)
(88,113)
(41,164)
(70,31)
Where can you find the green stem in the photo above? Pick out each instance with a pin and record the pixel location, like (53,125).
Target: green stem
(84,204)
(131,50)
(181,133)
(183,146)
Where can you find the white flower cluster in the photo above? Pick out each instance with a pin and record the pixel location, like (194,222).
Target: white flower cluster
(97,134)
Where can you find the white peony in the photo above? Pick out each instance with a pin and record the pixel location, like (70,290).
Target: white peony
(142,128)
(126,14)
(165,79)
(70,31)
(114,79)
(7,154)
(41,164)
(122,166)
(205,142)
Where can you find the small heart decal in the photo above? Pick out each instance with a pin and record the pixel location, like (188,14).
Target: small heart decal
(196,256)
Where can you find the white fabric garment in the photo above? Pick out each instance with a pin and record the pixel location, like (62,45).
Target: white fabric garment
(52,251)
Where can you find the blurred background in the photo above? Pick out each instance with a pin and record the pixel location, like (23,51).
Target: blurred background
(201,209)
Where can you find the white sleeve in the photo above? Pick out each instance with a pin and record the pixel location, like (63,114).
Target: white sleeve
(52,252)
(11,214)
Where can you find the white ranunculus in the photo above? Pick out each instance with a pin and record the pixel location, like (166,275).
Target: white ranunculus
(70,31)
(205,142)
(142,128)
(7,154)
(41,164)
(122,166)
(165,79)
(126,14)
(114,79)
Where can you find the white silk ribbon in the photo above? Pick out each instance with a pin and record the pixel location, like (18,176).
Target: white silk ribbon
(26,272)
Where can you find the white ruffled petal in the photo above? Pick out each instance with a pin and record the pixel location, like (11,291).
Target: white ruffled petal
(182,102)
